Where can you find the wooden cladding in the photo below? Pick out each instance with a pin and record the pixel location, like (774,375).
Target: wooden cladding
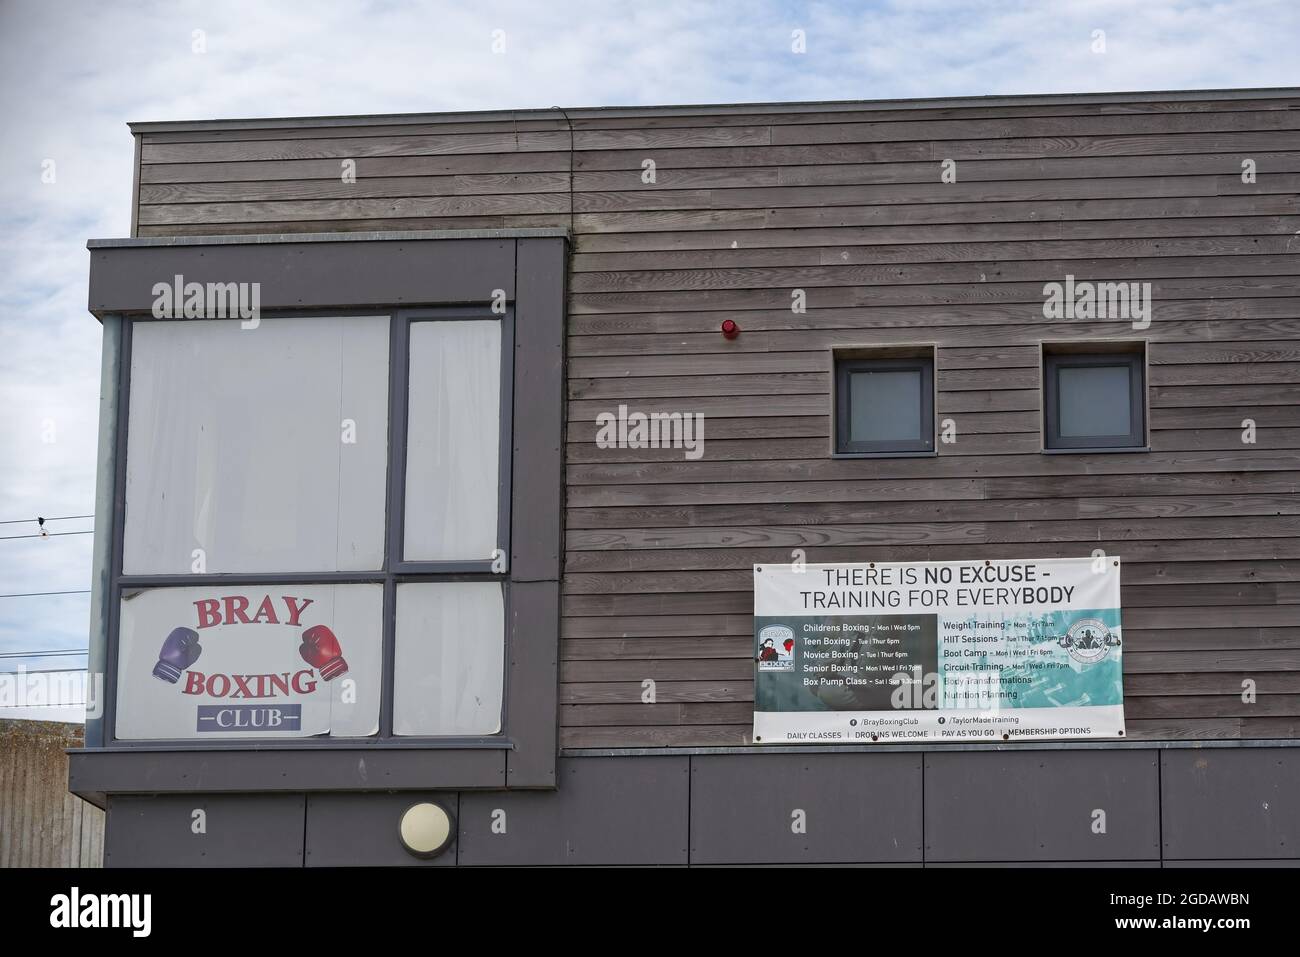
(846,203)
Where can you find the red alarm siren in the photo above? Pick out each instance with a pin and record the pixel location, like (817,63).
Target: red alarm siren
(729,329)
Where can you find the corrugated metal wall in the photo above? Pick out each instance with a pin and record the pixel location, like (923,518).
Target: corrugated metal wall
(41,824)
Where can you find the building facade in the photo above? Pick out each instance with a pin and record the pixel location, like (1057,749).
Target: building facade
(368,384)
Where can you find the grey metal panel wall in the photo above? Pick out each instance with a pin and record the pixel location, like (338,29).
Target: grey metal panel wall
(361,830)
(977,808)
(1045,865)
(793,809)
(1237,804)
(1042,806)
(1294,862)
(631,810)
(238,831)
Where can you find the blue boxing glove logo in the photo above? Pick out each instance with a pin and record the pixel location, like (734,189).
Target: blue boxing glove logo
(179,651)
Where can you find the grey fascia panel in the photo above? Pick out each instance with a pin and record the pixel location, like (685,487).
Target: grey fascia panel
(532,684)
(374,236)
(538,449)
(92,774)
(310,275)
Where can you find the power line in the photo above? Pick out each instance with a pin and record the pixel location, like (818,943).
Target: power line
(52,704)
(36,594)
(58,518)
(89,531)
(59,653)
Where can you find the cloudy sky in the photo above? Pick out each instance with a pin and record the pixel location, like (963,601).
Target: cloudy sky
(72,74)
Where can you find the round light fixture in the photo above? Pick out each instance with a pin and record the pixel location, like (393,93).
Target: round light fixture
(730,328)
(426,829)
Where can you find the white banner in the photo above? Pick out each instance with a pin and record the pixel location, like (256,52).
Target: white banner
(249,662)
(938,651)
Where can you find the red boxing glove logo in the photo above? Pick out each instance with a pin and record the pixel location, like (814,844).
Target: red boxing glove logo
(321,650)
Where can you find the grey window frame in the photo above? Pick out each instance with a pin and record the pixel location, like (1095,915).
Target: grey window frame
(394,570)
(1133,440)
(399,426)
(457,274)
(844,370)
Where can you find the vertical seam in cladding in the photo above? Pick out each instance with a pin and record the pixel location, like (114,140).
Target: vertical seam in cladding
(925,759)
(569,123)
(1160,808)
(690,798)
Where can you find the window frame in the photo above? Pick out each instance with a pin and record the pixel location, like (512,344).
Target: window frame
(845,366)
(393,571)
(335,274)
(1057,358)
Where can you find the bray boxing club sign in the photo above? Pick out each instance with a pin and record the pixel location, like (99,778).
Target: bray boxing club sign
(938,651)
(245,662)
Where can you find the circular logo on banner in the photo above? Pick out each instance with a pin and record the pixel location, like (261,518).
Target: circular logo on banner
(1088,640)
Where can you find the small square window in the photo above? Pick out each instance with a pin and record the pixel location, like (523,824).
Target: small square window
(884,406)
(1094,400)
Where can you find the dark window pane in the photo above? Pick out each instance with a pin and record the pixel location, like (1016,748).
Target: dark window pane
(886,406)
(1094,400)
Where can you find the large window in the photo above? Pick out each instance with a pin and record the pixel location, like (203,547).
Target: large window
(316,528)
(257,450)
(1093,400)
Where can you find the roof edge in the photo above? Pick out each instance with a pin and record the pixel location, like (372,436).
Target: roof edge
(249,239)
(1031,99)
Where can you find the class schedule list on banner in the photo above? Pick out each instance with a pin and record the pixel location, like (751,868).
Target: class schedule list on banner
(938,651)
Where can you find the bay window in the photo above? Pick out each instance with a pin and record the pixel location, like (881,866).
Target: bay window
(279,581)
(328,537)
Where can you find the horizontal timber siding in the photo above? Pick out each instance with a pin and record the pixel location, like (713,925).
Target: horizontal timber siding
(845,202)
